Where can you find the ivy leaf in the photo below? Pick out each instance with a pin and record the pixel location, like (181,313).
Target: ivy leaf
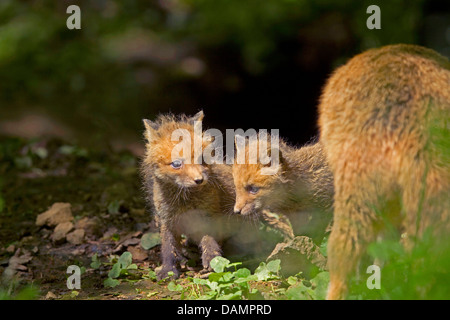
(267,271)
(231,296)
(320,282)
(150,240)
(132,267)
(274,266)
(95,264)
(219,264)
(298,292)
(111,283)
(217,276)
(115,271)
(114,206)
(125,260)
(172,286)
(242,273)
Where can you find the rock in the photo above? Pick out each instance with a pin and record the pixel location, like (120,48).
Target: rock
(58,213)
(50,295)
(91,226)
(61,230)
(298,254)
(76,237)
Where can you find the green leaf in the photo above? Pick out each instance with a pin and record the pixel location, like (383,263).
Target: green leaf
(216,277)
(172,286)
(242,273)
(208,296)
(114,206)
(320,283)
(41,152)
(82,270)
(115,271)
(298,292)
(234,264)
(267,271)
(231,296)
(95,264)
(132,267)
(227,277)
(219,264)
(125,260)
(200,281)
(292,280)
(150,240)
(111,283)
(151,275)
(213,286)
(274,266)
(247,279)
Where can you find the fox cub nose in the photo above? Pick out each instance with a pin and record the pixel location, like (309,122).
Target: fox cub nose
(198,180)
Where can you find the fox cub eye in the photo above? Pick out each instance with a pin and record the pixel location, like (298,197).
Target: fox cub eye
(252,189)
(176,164)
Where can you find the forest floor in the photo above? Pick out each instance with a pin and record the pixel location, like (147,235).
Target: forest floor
(62,205)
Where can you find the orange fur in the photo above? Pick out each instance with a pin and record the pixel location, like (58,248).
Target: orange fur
(377,116)
(301,188)
(182,204)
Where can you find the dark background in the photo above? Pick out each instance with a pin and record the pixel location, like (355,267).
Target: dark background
(247,64)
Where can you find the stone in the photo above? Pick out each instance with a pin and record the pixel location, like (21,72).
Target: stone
(91,226)
(61,230)
(50,296)
(59,212)
(76,236)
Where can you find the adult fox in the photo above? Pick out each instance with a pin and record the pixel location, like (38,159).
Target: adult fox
(384,119)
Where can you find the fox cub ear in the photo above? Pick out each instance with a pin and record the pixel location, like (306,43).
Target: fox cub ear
(150,128)
(197,117)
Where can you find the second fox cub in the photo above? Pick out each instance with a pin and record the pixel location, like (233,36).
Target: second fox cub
(384,122)
(301,186)
(188,198)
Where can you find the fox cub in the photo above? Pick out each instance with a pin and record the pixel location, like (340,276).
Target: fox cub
(384,124)
(301,186)
(188,198)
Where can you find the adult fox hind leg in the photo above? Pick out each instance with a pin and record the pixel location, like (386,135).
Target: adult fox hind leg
(355,226)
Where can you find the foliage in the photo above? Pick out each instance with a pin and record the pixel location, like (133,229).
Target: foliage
(420,273)
(129,54)
(315,289)
(241,284)
(119,269)
(227,285)
(150,239)
(14,290)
